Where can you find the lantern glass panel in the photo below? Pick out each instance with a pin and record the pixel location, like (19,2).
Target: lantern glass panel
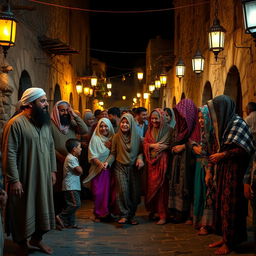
(79,88)
(146,95)
(7,32)
(216,40)
(198,65)
(94,81)
(109,85)
(180,71)
(249,16)
(151,88)
(163,79)
(86,90)
(140,75)
(157,84)
(138,95)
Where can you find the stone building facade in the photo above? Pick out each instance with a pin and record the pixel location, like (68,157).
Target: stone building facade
(34,60)
(234,71)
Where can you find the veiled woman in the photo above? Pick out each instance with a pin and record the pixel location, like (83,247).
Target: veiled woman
(182,165)
(204,189)
(234,144)
(156,144)
(99,176)
(126,151)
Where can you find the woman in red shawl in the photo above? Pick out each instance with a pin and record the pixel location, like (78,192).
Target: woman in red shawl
(156,143)
(182,168)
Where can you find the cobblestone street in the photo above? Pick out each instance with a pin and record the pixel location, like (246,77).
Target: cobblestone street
(114,239)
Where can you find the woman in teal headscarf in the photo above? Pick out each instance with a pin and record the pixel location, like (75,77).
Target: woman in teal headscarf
(203,185)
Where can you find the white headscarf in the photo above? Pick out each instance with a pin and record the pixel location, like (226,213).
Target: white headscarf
(31,94)
(97,148)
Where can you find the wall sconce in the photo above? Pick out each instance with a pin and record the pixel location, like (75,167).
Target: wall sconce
(86,91)
(151,88)
(94,80)
(101,103)
(79,87)
(109,93)
(180,69)
(198,63)
(163,79)
(138,95)
(140,75)
(249,12)
(123,97)
(109,85)
(145,95)
(157,84)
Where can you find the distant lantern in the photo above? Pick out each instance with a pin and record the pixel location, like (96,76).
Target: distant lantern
(134,100)
(180,69)
(101,103)
(163,79)
(198,63)
(94,80)
(109,93)
(216,37)
(109,85)
(91,92)
(151,88)
(138,95)
(145,95)
(124,97)
(140,75)
(249,12)
(86,91)
(8,25)
(79,87)
(157,84)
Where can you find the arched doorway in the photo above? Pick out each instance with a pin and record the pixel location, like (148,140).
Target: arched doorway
(183,96)
(207,93)
(24,83)
(233,89)
(71,99)
(174,102)
(57,94)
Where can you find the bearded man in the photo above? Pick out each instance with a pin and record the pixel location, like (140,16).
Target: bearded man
(66,124)
(29,166)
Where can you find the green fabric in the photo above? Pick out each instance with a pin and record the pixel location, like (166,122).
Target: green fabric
(28,157)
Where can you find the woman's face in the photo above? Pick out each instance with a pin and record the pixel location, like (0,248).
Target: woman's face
(168,118)
(90,121)
(155,119)
(201,119)
(124,125)
(103,129)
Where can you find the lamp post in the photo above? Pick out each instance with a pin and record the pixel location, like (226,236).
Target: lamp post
(249,12)
(180,69)
(198,63)
(7,30)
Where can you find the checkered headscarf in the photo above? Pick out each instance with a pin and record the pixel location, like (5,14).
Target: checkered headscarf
(239,134)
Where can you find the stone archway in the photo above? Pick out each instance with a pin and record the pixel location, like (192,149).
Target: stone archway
(174,102)
(57,94)
(207,93)
(71,102)
(233,88)
(24,83)
(183,96)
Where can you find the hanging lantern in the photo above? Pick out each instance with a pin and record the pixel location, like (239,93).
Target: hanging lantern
(180,69)
(138,95)
(94,80)
(79,87)
(151,88)
(134,100)
(123,78)
(91,92)
(101,103)
(145,96)
(157,84)
(198,63)
(163,79)
(140,75)
(86,91)
(216,37)
(249,12)
(124,97)
(109,93)
(109,85)
(7,30)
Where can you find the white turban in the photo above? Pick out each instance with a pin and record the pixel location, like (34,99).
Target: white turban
(31,94)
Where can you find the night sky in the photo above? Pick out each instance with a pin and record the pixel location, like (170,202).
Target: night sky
(127,32)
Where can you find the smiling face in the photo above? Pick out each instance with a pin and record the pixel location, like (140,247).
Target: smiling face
(103,129)
(155,119)
(167,116)
(124,125)
(201,119)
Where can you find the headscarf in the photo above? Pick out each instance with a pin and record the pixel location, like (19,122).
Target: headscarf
(229,127)
(88,115)
(97,148)
(130,142)
(189,111)
(172,115)
(31,94)
(55,116)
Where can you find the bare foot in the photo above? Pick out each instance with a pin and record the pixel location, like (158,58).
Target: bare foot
(59,221)
(43,247)
(216,244)
(223,250)
(161,222)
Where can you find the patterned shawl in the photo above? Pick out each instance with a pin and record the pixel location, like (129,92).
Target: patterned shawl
(55,116)
(229,127)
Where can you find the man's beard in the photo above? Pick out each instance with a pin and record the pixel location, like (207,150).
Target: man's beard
(40,116)
(65,120)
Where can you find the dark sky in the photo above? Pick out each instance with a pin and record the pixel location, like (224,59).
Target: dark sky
(127,32)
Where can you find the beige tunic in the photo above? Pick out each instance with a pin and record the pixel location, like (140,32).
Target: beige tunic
(28,157)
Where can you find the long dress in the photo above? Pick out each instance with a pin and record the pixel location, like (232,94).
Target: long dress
(157,183)
(28,157)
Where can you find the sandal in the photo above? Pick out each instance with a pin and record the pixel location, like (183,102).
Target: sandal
(123,221)
(203,231)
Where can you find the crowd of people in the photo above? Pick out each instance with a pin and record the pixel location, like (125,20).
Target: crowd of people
(192,165)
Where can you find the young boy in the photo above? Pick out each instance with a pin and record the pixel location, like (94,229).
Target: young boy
(71,185)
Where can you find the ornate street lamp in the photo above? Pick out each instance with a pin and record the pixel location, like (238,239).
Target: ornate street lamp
(79,87)
(163,79)
(7,30)
(94,80)
(151,88)
(198,63)
(180,69)
(249,12)
(157,83)
(140,75)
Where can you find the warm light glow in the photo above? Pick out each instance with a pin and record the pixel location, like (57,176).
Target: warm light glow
(151,88)
(163,79)
(145,95)
(134,100)
(124,97)
(86,91)
(101,103)
(140,75)
(109,93)
(109,85)
(180,69)
(94,80)
(91,92)
(198,63)
(249,12)
(7,31)
(79,87)
(157,84)
(138,95)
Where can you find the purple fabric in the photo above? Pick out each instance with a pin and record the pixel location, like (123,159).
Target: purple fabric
(101,193)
